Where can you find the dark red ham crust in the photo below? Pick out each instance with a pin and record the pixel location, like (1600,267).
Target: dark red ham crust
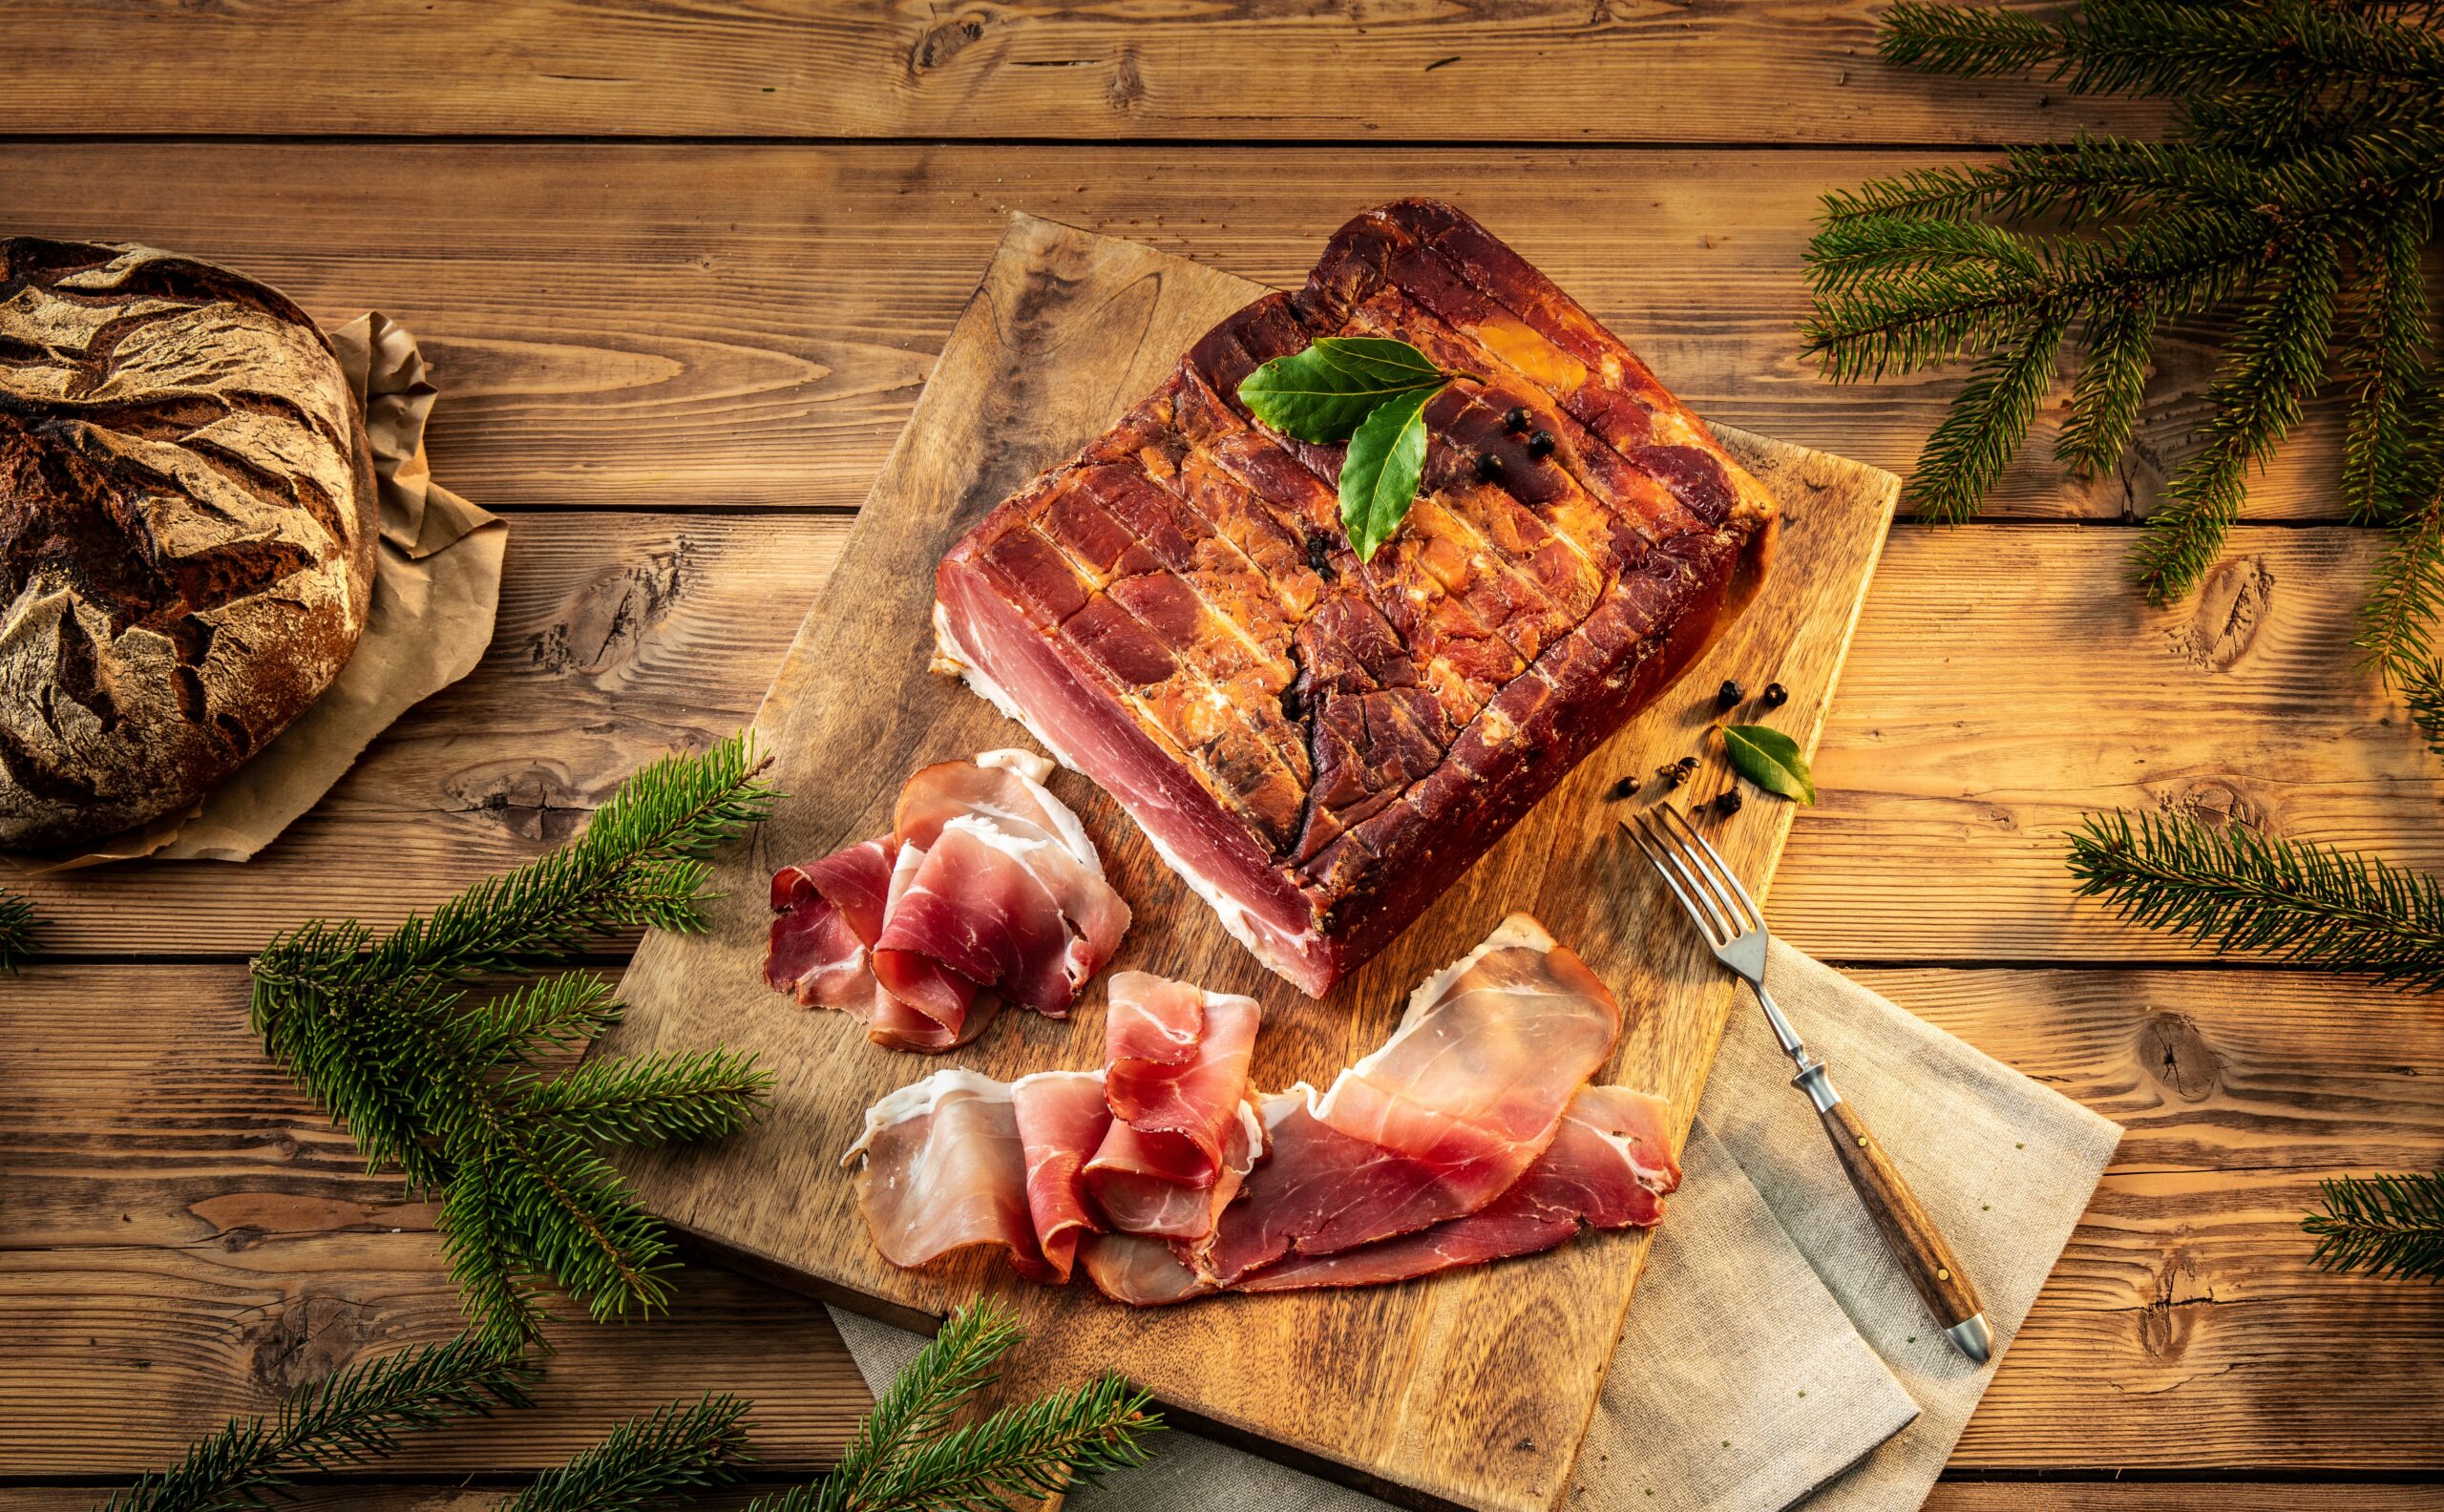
(1328,743)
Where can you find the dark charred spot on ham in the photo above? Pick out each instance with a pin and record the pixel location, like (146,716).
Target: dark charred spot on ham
(1323,743)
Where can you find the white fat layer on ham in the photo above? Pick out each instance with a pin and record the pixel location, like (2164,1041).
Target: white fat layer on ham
(1249,930)
(1031,771)
(919,1098)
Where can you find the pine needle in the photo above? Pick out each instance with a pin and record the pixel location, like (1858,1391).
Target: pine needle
(2390,1226)
(380,1030)
(2242,890)
(909,1457)
(358,1413)
(659,1458)
(18,926)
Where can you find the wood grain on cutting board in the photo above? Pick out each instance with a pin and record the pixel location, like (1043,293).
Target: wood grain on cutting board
(1471,1389)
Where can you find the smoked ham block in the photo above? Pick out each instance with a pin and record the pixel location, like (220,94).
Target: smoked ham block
(1320,745)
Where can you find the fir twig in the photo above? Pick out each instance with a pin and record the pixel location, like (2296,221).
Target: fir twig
(908,1456)
(18,926)
(2393,1226)
(2278,354)
(659,1458)
(379,1029)
(2241,890)
(357,1413)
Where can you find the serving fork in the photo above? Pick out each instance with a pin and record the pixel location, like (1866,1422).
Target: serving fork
(1735,928)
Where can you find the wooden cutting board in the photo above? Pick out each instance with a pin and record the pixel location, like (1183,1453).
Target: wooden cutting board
(1471,1389)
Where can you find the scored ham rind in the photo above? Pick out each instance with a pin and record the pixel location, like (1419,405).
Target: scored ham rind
(1318,746)
(987,889)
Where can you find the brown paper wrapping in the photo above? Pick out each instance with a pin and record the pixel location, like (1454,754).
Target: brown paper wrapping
(436,587)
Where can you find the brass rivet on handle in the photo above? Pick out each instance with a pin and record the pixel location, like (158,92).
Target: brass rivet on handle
(1863,1142)
(1942,1275)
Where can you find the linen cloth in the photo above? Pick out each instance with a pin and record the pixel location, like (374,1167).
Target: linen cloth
(1775,1355)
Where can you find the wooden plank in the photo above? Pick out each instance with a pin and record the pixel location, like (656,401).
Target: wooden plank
(136,1145)
(744,326)
(1965,740)
(2048,1495)
(1067,330)
(1794,71)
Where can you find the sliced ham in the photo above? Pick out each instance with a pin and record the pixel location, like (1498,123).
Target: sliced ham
(1606,1168)
(1182,1135)
(944,1169)
(1061,1119)
(1470,1136)
(1440,1120)
(825,917)
(986,889)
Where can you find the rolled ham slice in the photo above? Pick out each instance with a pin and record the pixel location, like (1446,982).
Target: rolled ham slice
(1061,1119)
(986,889)
(1183,1135)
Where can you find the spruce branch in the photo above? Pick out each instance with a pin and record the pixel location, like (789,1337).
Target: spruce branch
(2240,890)
(2391,1225)
(358,1413)
(2277,355)
(18,926)
(1979,437)
(658,1459)
(2110,384)
(379,1028)
(910,1454)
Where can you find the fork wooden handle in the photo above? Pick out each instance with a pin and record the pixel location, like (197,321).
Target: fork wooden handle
(1915,1239)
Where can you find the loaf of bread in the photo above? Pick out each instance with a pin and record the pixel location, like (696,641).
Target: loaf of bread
(187,523)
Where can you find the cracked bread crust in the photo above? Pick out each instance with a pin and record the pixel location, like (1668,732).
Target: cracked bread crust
(187,525)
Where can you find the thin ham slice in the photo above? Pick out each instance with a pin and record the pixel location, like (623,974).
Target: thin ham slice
(1607,1167)
(825,917)
(1440,1120)
(1183,1135)
(944,1170)
(986,889)
(1061,1119)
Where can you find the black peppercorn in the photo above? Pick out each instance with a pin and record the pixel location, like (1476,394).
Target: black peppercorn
(1685,766)
(1728,694)
(1518,418)
(1775,695)
(1541,444)
(1320,554)
(1488,467)
(1624,788)
(1727,802)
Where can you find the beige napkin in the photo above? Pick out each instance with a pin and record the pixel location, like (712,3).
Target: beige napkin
(436,585)
(1774,1356)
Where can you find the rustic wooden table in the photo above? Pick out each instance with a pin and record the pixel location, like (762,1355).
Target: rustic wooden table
(682,270)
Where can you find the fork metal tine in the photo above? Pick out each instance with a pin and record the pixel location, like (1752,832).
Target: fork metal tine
(1720,869)
(1663,851)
